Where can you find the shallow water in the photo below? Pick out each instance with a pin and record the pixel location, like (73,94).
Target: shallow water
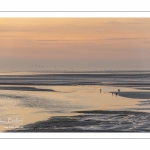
(27,104)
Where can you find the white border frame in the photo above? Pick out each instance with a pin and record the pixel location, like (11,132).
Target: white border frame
(73,14)
(67,9)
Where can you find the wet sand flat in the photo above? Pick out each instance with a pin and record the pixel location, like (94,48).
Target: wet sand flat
(34,106)
(75,102)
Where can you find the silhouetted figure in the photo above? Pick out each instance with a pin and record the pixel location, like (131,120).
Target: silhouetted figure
(118,90)
(116,94)
(100,90)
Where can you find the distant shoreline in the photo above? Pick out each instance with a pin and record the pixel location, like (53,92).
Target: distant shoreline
(107,79)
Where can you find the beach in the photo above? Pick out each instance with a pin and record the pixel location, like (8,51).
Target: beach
(106,101)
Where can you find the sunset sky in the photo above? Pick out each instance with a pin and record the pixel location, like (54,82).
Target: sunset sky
(29,44)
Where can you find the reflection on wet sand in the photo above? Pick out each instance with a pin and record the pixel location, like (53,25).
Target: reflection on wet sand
(35,106)
(39,103)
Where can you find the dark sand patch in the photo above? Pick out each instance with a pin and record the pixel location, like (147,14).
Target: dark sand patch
(144,88)
(24,88)
(93,121)
(144,103)
(136,95)
(109,112)
(141,109)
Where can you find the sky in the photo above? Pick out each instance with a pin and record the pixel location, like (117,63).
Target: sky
(85,44)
